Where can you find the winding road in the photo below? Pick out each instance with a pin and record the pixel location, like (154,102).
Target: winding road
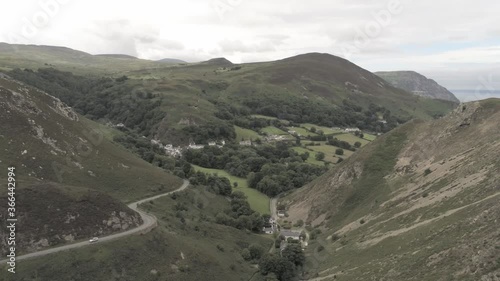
(148,221)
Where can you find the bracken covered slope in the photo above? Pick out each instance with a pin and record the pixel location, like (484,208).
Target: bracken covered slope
(67,172)
(419,203)
(48,142)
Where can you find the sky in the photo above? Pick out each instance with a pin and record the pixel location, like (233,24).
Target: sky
(456,43)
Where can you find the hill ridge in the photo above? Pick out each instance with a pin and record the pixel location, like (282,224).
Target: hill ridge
(418,84)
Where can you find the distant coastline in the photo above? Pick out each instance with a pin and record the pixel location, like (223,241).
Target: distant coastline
(465,95)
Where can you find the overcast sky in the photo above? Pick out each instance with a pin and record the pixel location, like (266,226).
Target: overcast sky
(456,43)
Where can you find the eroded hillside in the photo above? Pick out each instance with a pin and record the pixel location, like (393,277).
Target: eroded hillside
(420,203)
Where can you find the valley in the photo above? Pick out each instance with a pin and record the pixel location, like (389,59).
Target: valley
(422,213)
(305,168)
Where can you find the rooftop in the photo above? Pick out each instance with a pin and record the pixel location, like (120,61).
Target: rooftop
(289,233)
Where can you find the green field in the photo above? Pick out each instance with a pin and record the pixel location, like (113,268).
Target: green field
(302,132)
(178,250)
(271,130)
(264,117)
(369,137)
(350,138)
(245,134)
(258,201)
(329,151)
(312,156)
(326,130)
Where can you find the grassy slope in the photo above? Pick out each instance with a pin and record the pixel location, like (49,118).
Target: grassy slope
(31,56)
(271,130)
(78,156)
(302,132)
(187,90)
(312,155)
(197,249)
(352,139)
(245,134)
(391,219)
(326,130)
(258,201)
(51,212)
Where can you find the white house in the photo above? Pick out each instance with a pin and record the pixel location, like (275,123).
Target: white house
(350,130)
(246,143)
(195,146)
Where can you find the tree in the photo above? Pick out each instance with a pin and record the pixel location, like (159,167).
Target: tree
(320,156)
(246,254)
(313,129)
(294,253)
(357,144)
(282,267)
(256,251)
(339,151)
(304,156)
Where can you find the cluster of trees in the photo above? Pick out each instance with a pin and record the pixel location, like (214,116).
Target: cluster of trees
(120,100)
(240,215)
(153,154)
(253,252)
(215,184)
(283,267)
(210,131)
(269,169)
(275,178)
(299,110)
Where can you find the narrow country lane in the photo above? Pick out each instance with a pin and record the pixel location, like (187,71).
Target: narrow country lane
(148,221)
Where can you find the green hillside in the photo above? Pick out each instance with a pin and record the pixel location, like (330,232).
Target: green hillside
(410,205)
(187,245)
(47,141)
(176,103)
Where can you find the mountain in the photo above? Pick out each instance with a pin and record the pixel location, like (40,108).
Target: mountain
(170,60)
(70,174)
(218,62)
(37,56)
(70,148)
(200,102)
(418,84)
(419,203)
(311,88)
(73,182)
(118,56)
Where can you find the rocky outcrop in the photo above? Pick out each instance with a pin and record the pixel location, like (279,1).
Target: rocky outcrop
(52,216)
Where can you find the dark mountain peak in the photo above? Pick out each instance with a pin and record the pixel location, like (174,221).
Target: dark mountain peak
(218,62)
(117,56)
(171,60)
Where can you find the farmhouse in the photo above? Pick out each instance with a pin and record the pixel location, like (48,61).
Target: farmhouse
(246,143)
(173,151)
(350,130)
(195,146)
(290,234)
(268,230)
